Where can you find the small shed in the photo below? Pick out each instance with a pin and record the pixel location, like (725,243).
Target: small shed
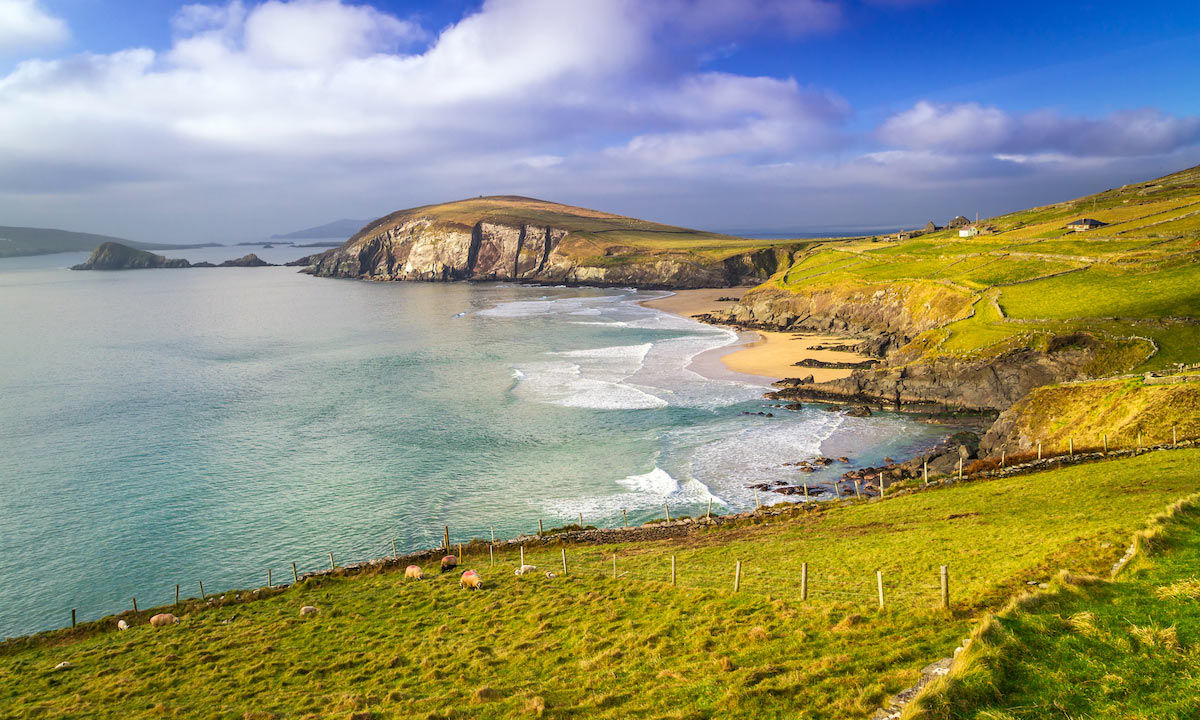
(1084,224)
(969,231)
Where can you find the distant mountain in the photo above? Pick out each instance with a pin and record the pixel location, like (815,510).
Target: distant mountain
(20,241)
(336,229)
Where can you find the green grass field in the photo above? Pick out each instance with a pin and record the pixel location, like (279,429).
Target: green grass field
(588,645)
(1134,284)
(1090,647)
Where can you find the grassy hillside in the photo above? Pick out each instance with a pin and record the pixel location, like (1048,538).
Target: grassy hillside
(1090,647)
(1135,282)
(590,645)
(597,236)
(20,241)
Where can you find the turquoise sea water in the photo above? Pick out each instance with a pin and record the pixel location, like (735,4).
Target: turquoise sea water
(177,426)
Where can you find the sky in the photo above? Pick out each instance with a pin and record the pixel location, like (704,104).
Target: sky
(224,122)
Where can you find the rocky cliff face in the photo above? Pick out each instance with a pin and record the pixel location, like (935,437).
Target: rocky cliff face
(115,256)
(421,249)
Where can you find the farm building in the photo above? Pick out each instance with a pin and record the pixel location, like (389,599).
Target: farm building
(969,231)
(1084,224)
(930,227)
(958,222)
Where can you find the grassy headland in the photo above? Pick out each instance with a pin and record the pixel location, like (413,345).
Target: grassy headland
(586,644)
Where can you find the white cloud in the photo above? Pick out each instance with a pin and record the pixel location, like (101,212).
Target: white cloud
(25,24)
(970,127)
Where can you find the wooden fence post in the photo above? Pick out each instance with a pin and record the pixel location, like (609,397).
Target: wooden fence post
(268,578)
(614,566)
(625,516)
(804,581)
(135,605)
(960,468)
(446,530)
(882,484)
(756,503)
(72,617)
(945,577)
(564,559)
(672,570)
(395,554)
(331,565)
(837,489)
(1003,457)
(1071,446)
(1105,443)
(879,584)
(460,557)
(668,509)
(580,521)
(1039,449)
(708,514)
(493,534)
(541,528)
(201,589)
(806,491)
(295,575)
(925,471)
(492,555)
(737,576)
(857,489)
(176,593)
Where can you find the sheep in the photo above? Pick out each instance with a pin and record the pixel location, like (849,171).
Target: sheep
(525,569)
(449,563)
(412,572)
(471,579)
(122,625)
(308,610)
(551,575)
(163,619)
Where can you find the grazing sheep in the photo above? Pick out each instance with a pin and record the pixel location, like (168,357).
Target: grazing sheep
(412,572)
(163,619)
(551,575)
(122,625)
(64,665)
(449,563)
(471,579)
(525,569)
(308,610)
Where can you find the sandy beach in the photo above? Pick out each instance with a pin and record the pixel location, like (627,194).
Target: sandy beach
(761,353)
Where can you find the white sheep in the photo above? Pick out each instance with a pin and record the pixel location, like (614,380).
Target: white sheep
(525,569)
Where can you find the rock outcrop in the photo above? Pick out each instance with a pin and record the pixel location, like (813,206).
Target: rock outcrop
(250,260)
(115,256)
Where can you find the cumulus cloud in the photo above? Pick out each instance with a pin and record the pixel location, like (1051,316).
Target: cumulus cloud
(25,24)
(970,127)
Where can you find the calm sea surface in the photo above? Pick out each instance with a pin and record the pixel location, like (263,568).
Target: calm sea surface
(175,426)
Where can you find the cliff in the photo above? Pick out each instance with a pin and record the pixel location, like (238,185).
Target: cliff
(522,239)
(115,256)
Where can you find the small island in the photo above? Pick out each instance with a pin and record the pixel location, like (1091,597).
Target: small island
(115,256)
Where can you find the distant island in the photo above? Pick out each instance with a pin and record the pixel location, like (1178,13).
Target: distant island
(337,229)
(25,241)
(115,256)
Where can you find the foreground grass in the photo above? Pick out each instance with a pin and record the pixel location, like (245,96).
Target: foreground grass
(1090,648)
(589,645)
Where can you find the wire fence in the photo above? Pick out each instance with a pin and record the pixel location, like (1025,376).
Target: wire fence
(814,583)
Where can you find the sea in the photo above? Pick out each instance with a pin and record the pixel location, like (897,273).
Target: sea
(163,427)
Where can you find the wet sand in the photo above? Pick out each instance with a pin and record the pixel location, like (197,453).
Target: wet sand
(761,353)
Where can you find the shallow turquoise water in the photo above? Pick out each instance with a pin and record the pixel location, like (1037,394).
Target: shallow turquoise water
(176,426)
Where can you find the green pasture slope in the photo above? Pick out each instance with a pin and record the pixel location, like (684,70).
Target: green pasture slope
(1091,647)
(588,645)
(1134,283)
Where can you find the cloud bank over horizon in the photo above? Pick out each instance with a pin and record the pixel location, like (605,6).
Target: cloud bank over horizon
(264,117)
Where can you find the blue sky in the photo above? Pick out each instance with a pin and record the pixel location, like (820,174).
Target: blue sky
(176,122)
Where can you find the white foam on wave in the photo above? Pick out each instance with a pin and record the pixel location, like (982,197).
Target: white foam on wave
(648,491)
(562,383)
